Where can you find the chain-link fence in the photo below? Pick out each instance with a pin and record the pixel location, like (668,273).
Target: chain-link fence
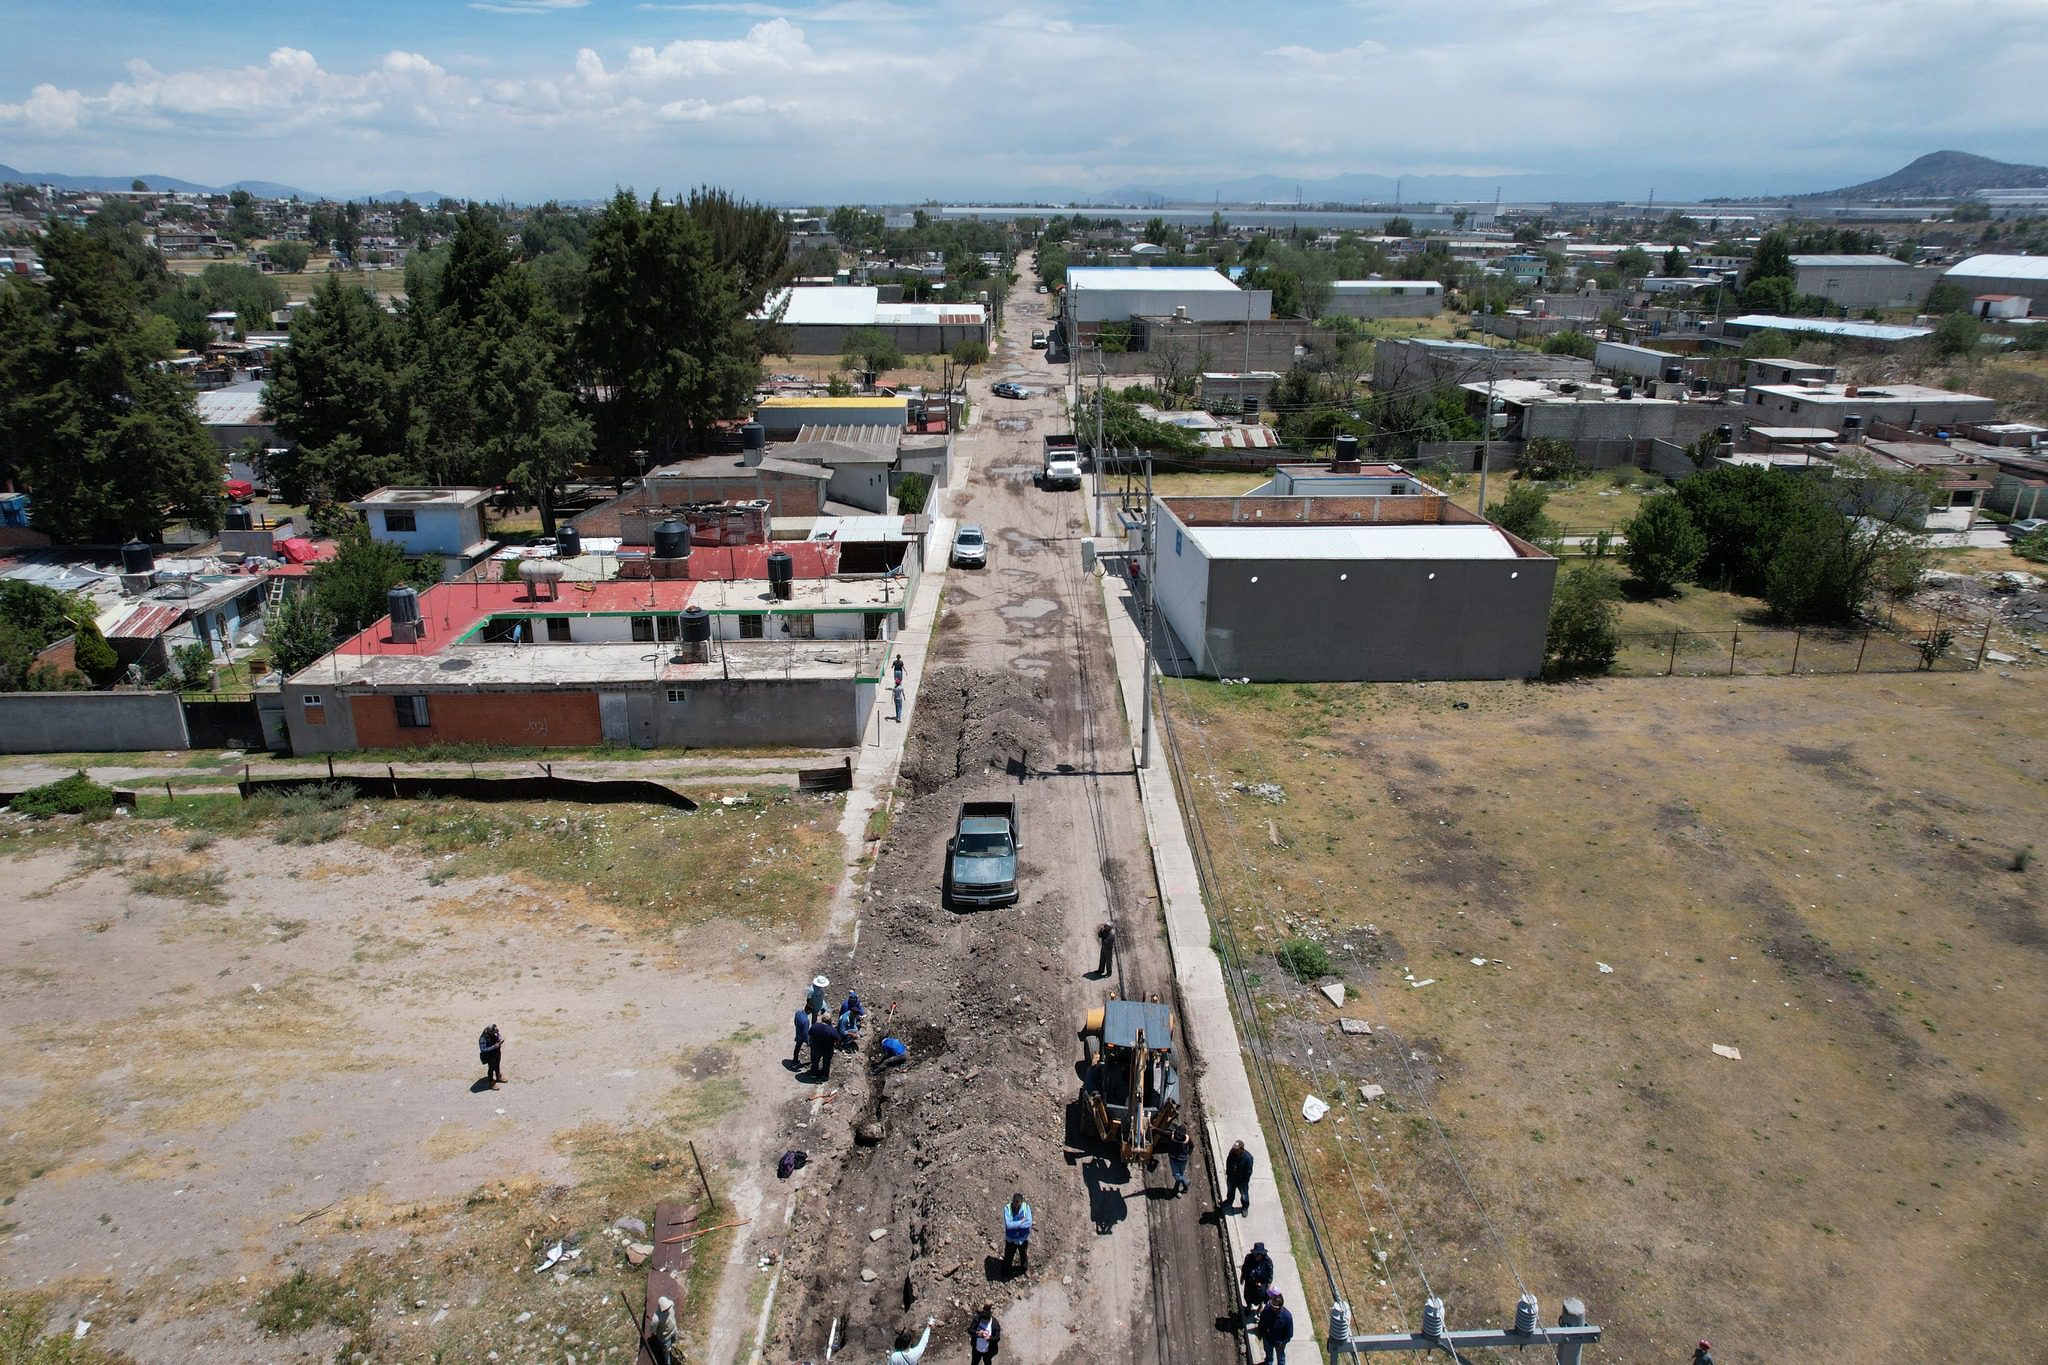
(1957,646)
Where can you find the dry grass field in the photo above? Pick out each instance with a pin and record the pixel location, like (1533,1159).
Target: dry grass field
(1832,876)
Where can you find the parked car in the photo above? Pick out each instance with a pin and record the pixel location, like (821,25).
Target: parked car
(1038,341)
(237,490)
(2019,530)
(1006,389)
(970,547)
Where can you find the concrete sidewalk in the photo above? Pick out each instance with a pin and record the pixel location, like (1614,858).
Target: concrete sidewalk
(1224,1084)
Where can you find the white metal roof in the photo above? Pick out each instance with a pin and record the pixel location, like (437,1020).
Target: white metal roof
(1159,278)
(1382,286)
(832,305)
(928,314)
(1832,262)
(239,406)
(1866,331)
(1239,541)
(2002,267)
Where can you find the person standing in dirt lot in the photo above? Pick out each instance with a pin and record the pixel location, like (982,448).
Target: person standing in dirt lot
(984,1336)
(1105,940)
(907,1353)
(814,999)
(1275,1329)
(490,1050)
(1178,1147)
(1017,1234)
(824,1042)
(1237,1176)
(803,1032)
(1703,1354)
(1255,1276)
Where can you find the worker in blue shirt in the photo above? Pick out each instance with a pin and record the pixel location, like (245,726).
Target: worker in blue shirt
(1017,1234)
(1275,1329)
(894,1053)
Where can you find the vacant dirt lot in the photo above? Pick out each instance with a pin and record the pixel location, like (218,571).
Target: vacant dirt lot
(1819,873)
(240,1110)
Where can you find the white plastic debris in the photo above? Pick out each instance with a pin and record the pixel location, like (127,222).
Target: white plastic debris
(1369,1093)
(1313,1109)
(1418,985)
(1335,991)
(1479,962)
(554,1253)
(1605,970)
(1733,1054)
(78,1332)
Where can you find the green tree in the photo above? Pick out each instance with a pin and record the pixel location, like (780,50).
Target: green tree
(1674,262)
(1744,513)
(299,635)
(870,352)
(338,394)
(1580,344)
(970,353)
(1773,294)
(1522,512)
(349,588)
(1946,297)
(533,437)
(1398,226)
(1548,458)
(191,667)
(1632,263)
(1583,638)
(1772,260)
(96,658)
(90,416)
(1957,334)
(1664,548)
(290,257)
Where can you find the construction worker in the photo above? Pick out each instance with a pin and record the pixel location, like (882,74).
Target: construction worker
(1275,1329)
(661,1332)
(1178,1146)
(803,1033)
(906,1353)
(853,1006)
(894,1053)
(1237,1176)
(814,1001)
(1017,1234)
(490,1050)
(1256,1277)
(1105,940)
(824,1042)
(1703,1354)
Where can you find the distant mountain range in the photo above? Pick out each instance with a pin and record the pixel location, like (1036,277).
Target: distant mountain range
(1943,175)
(262,189)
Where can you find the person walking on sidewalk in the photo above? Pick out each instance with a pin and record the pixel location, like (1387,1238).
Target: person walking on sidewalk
(1105,942)
(1255,1277)
(1237,1176)
(899,670)
(1178,1146)
(824,1042)
(1017,1234)
(897,693)
(1275,1329)
(984,1336)
(490,1050)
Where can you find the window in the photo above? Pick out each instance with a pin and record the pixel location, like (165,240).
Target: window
(643,630)
(751,625)
(558,628)
(668,626)
(310,699)
(412,712)
(395,520)
(871,625)
(800,626)
(677,696)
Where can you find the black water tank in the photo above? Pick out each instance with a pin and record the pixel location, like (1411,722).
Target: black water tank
(672,540)
(403,604)
(1346,450)
(696,626)
(1725,433)
(1674,374)
(753,436)
(137,558)
(1699,383)
(568,542)
(781,574)
(1627,391)
(237,518)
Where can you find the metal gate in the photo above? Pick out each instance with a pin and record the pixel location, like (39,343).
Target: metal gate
(224,723)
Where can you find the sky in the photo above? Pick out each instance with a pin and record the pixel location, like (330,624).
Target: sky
(906,100)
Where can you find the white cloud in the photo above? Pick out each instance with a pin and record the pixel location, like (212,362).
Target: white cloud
(47,109)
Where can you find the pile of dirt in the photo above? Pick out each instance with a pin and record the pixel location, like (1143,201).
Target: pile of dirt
(980,1111)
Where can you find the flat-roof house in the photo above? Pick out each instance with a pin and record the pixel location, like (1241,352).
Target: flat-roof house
(1815,404)
(445,522)
(1384,299)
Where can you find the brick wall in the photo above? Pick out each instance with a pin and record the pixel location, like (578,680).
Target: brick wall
(561,719)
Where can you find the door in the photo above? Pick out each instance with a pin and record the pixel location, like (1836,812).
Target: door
(612,719)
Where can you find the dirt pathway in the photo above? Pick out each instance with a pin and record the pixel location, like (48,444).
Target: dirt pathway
(1018,702)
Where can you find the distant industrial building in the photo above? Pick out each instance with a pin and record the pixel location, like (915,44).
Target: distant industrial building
(1875,334)
(1384,299)
(1363,573)
(1995,274)
(1588,414)
(817,320)
(1863,281)
(1195,315)
(1428,363)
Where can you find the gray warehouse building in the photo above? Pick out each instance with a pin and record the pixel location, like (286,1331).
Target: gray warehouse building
(1993,274)
(1391,588)
(1863,281)
(817,319)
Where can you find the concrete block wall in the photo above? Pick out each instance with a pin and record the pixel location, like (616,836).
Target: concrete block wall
(91,722)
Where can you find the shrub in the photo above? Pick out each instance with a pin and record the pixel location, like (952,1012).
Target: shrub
(1304,958)
(1582,636)
(73,795)
(96,658)
(1664,547)
(1522,513)
(313,814)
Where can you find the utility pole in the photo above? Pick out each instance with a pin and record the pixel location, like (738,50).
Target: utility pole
(1570,1337)
(1486,436)
(1145,674)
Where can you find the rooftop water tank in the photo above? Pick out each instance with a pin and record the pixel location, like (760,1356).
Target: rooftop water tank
(672,540)
(781,574)
(403,604)
(137,558)
(1674,374)
(1627,392)
(236,518)
(568,542)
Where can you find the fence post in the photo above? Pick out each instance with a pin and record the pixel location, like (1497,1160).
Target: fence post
(1734,636)
(1672,667)
(1859,651)
(1984,644)
(1797,637)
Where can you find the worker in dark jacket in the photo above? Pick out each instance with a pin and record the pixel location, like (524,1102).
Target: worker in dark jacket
(824,1042)
(1275,1329)
(1178,1146)
(1703,1354)
(1237,1176)
(1256,1277)
(490,1050)
(984,1336)
(1105,942)
(803,1032)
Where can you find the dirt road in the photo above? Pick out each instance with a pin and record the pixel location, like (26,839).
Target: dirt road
(1018,702)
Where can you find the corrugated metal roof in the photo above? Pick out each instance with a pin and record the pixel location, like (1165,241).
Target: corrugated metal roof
(1994,267)
(928,314)
(827,305)
(238,405)
(1832,262)
(1351,542)
(1866,331)
(145,623)
(1159,278)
